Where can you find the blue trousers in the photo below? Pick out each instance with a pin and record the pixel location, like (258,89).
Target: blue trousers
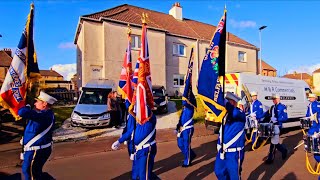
(33,163)
(230,167)
(143,163)
(184,143)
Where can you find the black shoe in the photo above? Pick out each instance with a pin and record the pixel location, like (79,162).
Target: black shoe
(185,166)
(269,161)
(284,154)
(192,156)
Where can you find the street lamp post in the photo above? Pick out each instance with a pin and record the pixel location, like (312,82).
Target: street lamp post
(260,68)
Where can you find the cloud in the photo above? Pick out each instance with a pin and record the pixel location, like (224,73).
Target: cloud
(243,24)
(66,70)
(306,69)
(66,45)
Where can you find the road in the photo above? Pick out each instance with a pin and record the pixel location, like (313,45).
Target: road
(116,164)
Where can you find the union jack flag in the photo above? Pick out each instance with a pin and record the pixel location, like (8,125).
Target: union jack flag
(142,101)
(23,70)
(125,82)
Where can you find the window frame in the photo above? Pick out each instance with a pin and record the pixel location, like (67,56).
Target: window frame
(244,56)
(134,44)
(177,52)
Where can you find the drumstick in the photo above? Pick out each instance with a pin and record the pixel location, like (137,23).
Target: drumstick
(299,145)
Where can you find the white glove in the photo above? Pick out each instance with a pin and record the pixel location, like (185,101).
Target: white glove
(28,105)
(131,157)
(21,156)
(273,120)
(253,115)
(115,145)
(315,135)
(125,143)
(21,141)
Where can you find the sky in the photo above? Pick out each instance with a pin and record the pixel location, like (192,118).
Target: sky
(289,43)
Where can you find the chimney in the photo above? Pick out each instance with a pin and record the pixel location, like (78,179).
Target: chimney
(176,11)
(8,51)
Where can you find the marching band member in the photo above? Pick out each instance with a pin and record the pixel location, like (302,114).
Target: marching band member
(313,108)
(313,112)
(184,132)
(277,114)
(256,113)
(229,159)
(37,138)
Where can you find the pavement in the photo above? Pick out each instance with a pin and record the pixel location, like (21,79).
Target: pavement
(12,131)
(93,159)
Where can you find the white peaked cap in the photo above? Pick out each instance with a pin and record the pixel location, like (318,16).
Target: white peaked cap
(232,96)
(275,96)
(46,97)
(253,93)
(312,95)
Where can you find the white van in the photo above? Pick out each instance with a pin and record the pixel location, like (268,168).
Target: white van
(91,109)
(293,93)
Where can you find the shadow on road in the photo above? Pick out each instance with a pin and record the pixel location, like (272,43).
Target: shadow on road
(204,152)
(269,170)
(18,176)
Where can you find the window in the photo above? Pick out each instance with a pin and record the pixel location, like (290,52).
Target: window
(135,41)
(242,57)
(179,49)
(178,80)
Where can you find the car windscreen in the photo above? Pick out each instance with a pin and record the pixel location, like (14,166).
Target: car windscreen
(157,92)
(94,96)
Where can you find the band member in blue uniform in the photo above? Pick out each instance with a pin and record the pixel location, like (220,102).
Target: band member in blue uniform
(127,136)
(37,139)
(184,132)
(229,159)
(145,149)
(277,115)
(313,112)
(185,128)
(256,113)
(313,108)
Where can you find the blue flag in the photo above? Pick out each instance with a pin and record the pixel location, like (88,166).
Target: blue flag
(188,98)
(212,68)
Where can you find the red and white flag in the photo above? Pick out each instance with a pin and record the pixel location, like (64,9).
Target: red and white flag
(142,101)
(23,69)
(125,82)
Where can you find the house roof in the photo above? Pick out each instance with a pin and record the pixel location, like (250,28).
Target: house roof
(160,21)
(5,59)
(50,73)
(298,76)
(265,66)
(316,71)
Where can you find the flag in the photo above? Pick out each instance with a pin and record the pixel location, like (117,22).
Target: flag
(23,70)
(125,82)
(142,101)
(188,97)
(213,67)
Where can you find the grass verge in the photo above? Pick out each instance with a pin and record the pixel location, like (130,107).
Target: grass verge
(61,114)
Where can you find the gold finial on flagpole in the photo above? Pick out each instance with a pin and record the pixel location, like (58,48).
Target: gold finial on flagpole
(129,29)
(144,18)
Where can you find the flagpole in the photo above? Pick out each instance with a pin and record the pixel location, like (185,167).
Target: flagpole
(224,80)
